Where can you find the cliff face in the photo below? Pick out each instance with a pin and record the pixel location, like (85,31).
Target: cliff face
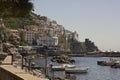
(7,39)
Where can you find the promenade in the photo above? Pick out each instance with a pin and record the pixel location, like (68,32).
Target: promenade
(22,74)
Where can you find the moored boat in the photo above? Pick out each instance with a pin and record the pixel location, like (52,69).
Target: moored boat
(76,70)
(68,65)
(116,65)
(62,67)
(58,68)
(107,63)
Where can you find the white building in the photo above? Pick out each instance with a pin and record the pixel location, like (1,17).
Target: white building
(47,41)
(16,32)
(29,36)
(75,36)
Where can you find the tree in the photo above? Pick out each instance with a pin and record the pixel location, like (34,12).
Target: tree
(15,8)
(23,42)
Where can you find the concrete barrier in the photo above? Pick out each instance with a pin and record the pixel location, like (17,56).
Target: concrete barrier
(6,75)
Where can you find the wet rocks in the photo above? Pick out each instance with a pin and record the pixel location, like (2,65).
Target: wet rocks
(62,59)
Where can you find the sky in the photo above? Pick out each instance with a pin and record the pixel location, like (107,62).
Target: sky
(98,20)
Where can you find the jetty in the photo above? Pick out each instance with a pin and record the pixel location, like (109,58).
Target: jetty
(10,72)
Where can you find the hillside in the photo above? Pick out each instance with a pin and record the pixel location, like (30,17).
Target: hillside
(16,23)
(50,28)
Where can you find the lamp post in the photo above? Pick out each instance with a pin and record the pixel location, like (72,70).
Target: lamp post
(31,64)
(46,64)
(46,55)
(23,54)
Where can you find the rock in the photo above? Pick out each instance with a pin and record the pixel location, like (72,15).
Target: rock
(14,39)
(4,33)
(62,59)
(8,39)
(58,78)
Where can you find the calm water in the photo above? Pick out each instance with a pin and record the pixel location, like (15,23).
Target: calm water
(95,71)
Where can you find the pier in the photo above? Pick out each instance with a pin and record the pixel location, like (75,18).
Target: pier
(10,72)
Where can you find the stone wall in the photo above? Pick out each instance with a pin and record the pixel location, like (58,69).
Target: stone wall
(6,75)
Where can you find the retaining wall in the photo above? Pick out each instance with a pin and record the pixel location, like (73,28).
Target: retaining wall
(6,75)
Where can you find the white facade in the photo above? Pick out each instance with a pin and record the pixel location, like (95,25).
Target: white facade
(47,41)
(75,36)
(29,36)
(14,31)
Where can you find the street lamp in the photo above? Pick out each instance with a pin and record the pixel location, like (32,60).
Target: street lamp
(45,48)
(23,53)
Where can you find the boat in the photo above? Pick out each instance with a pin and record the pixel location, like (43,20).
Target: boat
(58,68)
(62,67)
(107,63)
(116,65)
(77,70)
(68,65)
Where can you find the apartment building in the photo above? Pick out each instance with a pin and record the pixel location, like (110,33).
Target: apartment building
(30,36)
(47,41)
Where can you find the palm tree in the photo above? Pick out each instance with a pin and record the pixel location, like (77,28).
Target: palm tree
(15,8)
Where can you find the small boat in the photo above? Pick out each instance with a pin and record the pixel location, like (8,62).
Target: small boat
(108,63)
(58,68)
(68,65)
(116,65)
(62,67)
(105,63)
(77,70)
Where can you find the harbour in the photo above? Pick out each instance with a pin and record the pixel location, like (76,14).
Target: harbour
(95,71)
(76,41)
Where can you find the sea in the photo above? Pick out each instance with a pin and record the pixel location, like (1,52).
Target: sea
(95,72)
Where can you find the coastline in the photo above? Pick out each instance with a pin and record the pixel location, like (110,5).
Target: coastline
(85,54)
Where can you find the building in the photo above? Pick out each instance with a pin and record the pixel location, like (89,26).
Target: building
(31,28)
(59,30)
(75,36)
(16,32)
(30,36)
(76,47)
(47,41)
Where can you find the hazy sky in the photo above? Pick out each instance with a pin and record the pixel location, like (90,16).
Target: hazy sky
(98,20)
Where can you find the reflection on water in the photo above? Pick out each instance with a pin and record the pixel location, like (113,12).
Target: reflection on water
(95,71)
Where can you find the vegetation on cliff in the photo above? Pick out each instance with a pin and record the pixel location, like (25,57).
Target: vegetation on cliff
(15,12)
(15,8)
(16,23)
(20,22)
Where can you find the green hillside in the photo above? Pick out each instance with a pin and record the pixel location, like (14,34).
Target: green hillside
(16,23)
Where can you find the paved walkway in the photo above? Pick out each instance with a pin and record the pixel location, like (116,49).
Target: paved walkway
(19,72)
(7,60)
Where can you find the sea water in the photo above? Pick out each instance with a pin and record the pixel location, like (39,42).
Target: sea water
(95,72)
